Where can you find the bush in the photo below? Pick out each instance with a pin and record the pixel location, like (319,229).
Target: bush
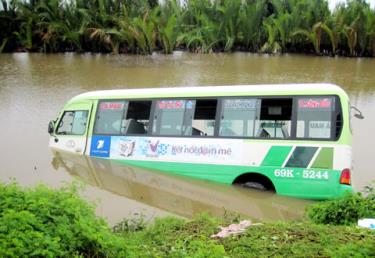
(131,224)
(343,211)
(173,237)
(48,223)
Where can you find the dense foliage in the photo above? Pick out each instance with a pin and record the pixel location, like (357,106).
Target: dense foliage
(143,26)
(343,211)
(42,222)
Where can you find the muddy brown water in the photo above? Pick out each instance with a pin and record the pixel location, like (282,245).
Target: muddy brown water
(34,87)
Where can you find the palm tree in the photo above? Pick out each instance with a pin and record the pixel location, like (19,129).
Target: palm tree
(250,24)
(315,36)
(272,45)
(107,36)
(227,12)
(12,32)
(167,33)
(199,32)
(370,31)
(144,32)
(354,23)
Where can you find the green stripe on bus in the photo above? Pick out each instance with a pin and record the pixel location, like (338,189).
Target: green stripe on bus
(276,156)
(324,159)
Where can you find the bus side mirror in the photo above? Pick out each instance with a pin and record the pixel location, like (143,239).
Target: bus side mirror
(358,114)
(51,127)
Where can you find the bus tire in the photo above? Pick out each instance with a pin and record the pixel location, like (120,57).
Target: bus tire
(255,181)
(254,185)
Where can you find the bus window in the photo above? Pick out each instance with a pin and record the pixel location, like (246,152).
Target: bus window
(109,117)
(238,117)
(137,118)
(203,123)
(170,117)
(314,117)
(275,118)
(73,123)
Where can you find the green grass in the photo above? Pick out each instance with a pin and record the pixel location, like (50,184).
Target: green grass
(171,237)
(45,222)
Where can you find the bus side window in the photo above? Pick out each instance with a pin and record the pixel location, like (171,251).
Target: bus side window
(238,117)
(203,122)
(275,118)
(109,118)
(137,118)
(171,117)
(185,117)
(73,123)
(314,117)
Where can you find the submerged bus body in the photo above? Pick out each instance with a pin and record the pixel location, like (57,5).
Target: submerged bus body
(291,138)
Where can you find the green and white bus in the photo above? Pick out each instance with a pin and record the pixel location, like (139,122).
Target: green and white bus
(294,139)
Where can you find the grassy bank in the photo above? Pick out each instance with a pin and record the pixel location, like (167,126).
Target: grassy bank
(170,237)
(144,26)
(44,222)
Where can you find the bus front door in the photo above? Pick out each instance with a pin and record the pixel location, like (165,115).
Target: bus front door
(71,129)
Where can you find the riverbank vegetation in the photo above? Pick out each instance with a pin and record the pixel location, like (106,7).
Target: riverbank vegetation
(343,211)
(42,222)
(144,26)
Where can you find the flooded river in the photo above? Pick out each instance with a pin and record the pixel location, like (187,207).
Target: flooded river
(34,87)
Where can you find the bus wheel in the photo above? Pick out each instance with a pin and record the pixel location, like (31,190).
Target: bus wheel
(254,185)
(255,181)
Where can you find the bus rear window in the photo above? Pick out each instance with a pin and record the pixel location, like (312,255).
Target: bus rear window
(314,117)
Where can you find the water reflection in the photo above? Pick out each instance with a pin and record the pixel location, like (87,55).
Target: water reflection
(34,87)
(179,195)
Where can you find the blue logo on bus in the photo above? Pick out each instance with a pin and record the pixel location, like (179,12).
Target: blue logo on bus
(100,146)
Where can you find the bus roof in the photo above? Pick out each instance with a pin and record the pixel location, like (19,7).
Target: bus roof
(216,91)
